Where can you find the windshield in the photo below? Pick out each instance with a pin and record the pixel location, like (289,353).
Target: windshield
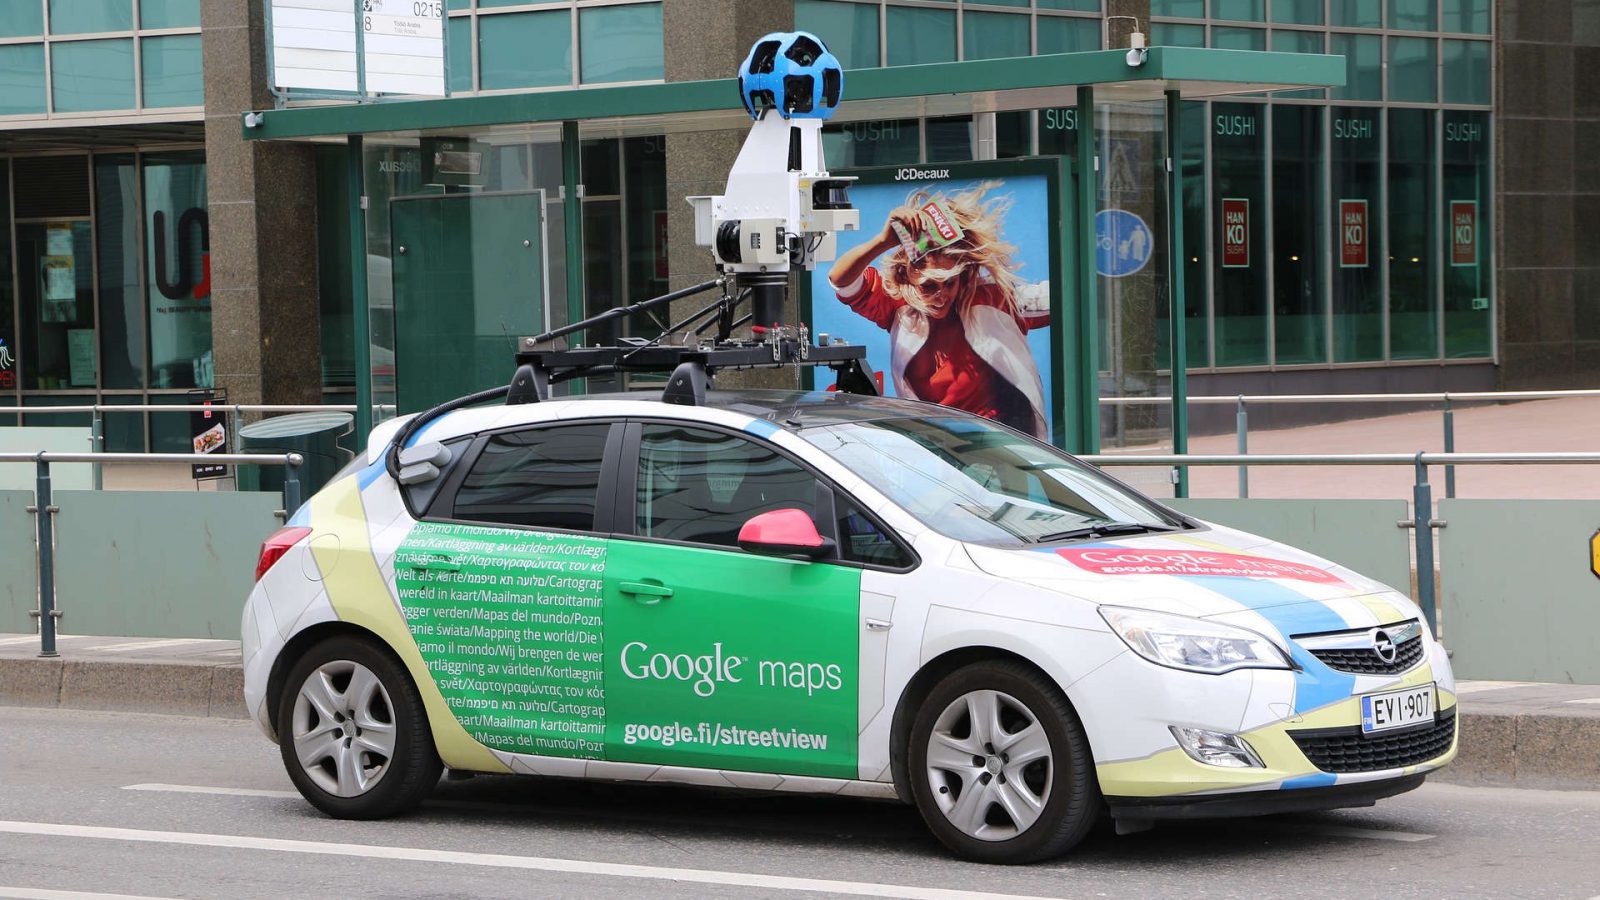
(972,480)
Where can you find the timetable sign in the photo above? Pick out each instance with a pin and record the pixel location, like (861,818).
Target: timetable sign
(402,49)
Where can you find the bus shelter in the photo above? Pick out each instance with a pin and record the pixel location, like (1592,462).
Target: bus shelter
(468,213)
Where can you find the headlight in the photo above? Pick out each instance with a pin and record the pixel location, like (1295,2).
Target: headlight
(1192,644)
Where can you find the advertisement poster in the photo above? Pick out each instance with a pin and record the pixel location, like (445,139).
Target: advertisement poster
(208,432)
(947,285)
(1353,234)
(538,647)
(1235,233)
(80,356)
(1463,232)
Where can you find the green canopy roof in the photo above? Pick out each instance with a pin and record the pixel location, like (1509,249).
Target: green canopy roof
(935,89)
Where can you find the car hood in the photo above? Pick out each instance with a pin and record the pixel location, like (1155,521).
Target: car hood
(1211,571)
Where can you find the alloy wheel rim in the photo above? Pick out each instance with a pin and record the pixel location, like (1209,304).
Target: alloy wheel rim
(343,728)
(989,765)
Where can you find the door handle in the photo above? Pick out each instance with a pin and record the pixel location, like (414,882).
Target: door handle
(649,592)
(438,562)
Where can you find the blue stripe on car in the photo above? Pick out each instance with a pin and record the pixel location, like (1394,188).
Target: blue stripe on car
(1291,612)
(761,428)
(1320,779)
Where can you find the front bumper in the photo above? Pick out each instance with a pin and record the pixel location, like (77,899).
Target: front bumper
(1255,803)
(1304,726)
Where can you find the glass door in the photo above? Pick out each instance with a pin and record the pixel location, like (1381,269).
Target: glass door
(469,280)
(56,283)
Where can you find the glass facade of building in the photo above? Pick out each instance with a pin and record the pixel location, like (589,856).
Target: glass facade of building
(88,57)
(510,45)
(105,283)
(1367,208)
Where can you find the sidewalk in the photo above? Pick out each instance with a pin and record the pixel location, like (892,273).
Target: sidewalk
(1513,733)
(1571,423)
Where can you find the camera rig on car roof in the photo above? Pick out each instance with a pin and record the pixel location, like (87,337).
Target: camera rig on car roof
(780,213)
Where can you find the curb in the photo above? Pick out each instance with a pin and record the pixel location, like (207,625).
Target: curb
(1551,748)
(1547,749)
(170,688)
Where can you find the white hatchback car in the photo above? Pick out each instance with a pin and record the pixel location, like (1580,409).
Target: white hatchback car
(826,593)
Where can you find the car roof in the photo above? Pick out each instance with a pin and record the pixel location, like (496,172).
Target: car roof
(788,410)
(794,410)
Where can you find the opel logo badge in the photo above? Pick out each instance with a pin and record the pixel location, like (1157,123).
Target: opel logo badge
(1383,645)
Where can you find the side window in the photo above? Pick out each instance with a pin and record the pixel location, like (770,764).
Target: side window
(542,478)
(701,486)
(862,540)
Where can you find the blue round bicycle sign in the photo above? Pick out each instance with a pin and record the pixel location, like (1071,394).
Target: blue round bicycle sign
(1123,243)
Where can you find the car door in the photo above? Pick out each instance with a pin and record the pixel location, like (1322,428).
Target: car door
(722,658)
(500,585)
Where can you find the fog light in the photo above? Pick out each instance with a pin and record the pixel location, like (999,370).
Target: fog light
(1217,748)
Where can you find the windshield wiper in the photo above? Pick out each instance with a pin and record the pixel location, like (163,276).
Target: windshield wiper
(1106,529)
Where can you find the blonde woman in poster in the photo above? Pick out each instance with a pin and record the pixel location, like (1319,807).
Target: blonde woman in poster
(946,289)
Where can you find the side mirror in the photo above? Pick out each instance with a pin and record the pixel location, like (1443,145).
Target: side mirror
(784,532)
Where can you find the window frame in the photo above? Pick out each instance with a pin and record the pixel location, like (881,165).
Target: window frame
(626,494)
(443,507)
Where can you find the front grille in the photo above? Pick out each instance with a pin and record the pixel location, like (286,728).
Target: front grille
(1363,661)
(1344,750)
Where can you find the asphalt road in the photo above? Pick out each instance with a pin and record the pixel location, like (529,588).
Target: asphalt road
(124,805)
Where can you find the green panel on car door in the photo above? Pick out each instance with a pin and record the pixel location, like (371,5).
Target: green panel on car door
(751,663)
(469,279)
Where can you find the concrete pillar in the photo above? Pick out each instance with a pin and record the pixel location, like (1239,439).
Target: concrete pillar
(709,39)
(265,318)
(1124,17)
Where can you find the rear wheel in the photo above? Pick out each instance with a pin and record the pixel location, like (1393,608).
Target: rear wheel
(1000,767)
(354,733)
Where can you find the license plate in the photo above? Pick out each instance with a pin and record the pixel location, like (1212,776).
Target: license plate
(1396,709)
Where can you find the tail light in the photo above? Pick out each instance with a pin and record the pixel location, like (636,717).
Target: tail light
(275,546)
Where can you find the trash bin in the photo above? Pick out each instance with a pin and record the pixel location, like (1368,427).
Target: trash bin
(315,436)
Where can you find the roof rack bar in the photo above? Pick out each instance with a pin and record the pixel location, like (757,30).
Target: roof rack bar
(620,312)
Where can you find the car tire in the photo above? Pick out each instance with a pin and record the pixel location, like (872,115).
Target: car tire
(999,765)
(353,731)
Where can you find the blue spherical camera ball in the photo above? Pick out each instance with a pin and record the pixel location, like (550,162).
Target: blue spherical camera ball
(792,72)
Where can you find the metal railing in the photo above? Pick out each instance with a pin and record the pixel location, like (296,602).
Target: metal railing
(1422,522)
(44,509)
(1447,398)
(97,411)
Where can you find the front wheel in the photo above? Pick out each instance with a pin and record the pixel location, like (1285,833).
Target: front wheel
(1000,767)
(354,733)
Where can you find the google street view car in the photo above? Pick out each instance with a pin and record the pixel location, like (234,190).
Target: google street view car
(828,592)
(823,592)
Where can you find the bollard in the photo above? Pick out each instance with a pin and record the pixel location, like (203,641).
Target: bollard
(291,490)
(1422,525)
(1242,427)
(1449,447)
(47,562)
(97,440)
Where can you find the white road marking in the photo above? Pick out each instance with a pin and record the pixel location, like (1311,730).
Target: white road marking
(25,639)
(146,645)
(1372,834)
(503,861)
(1586,700)
(42,894)
(1478,687)
(202,789)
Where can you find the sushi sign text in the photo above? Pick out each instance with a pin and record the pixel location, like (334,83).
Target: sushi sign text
(1463,232)
(1353,233)
(1235,233)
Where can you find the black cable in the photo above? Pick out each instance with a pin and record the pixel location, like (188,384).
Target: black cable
(392,463)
